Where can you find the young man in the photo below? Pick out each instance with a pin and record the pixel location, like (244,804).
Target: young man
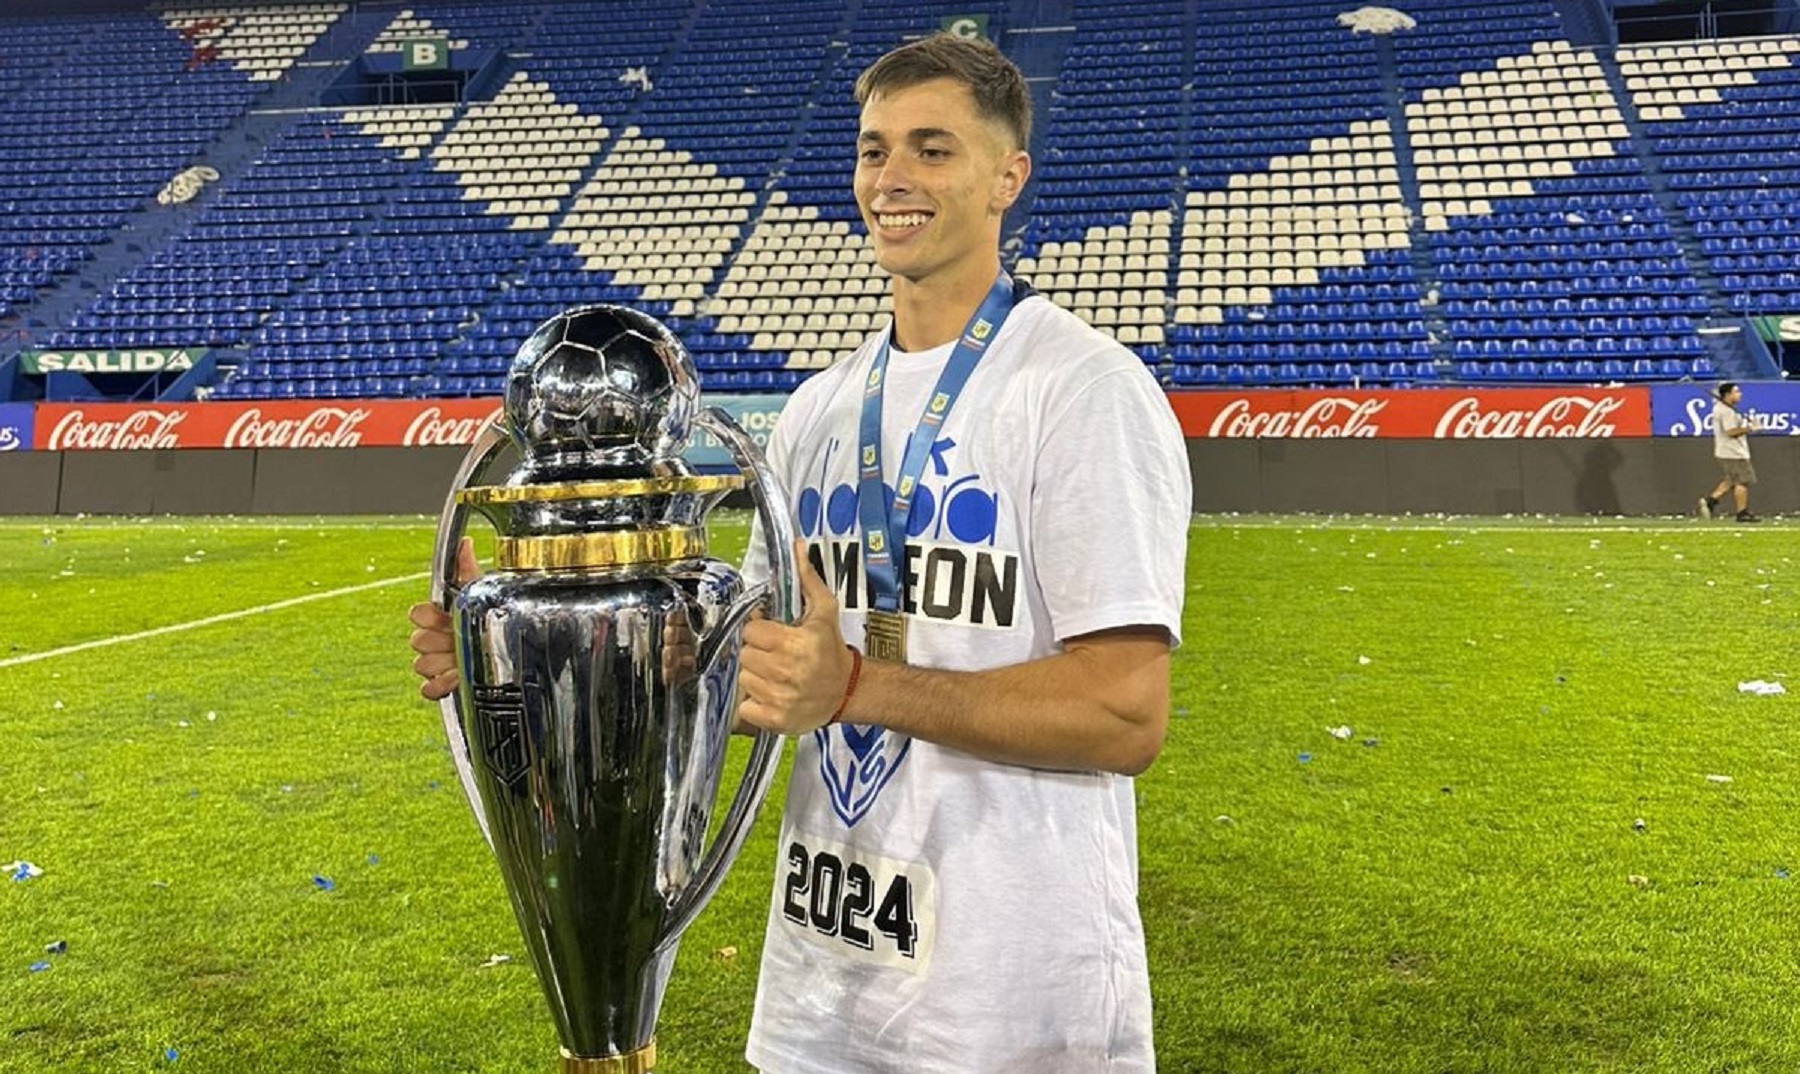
(956,884)
(988,664)
(1731,446)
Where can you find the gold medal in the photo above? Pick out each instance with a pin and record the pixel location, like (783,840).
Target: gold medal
(884,636)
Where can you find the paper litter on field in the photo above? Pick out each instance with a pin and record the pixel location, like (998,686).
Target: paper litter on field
(1761,688)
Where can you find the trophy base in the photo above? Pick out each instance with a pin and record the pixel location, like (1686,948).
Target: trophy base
(640,1061)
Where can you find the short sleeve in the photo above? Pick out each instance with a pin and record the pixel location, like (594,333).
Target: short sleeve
(1110,508)
(756,557)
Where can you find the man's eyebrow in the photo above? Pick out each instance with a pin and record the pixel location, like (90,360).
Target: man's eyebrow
(917,134)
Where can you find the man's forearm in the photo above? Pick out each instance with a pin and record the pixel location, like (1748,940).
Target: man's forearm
(1098,705)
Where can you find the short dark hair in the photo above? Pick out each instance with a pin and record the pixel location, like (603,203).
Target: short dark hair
(1725,387)
(996,83)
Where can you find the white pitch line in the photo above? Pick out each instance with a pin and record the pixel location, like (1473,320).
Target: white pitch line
(209,620)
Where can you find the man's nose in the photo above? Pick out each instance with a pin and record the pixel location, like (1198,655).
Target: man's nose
(894,177)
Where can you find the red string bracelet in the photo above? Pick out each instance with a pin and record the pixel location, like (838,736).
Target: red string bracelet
(856,659)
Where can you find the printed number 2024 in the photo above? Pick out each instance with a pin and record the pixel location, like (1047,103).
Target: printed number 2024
(838,899)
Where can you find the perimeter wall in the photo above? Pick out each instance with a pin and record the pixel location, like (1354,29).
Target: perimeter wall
(1629,450)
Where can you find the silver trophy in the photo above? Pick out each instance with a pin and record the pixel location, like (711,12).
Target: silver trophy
(599,667)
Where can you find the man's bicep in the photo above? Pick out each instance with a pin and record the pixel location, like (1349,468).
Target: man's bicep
(1110,512)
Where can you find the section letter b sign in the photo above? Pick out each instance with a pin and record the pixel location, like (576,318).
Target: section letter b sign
(425,54)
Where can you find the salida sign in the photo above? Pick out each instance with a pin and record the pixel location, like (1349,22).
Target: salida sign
(1440,414)
(139,361)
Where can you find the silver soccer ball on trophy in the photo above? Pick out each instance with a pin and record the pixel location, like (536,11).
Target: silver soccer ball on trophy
(603,386)
(599,666)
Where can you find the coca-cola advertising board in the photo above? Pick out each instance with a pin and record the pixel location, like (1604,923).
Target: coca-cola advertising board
(1419,413)
(292,423)
(1773,408)
(284,423)
(15,426)
(1429,413)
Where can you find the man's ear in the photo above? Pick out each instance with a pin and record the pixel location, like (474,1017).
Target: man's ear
(1012,180)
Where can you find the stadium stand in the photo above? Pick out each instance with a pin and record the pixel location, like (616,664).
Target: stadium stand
(1554,256)
(1243,193)
(1722,118)
(1295,225)
(125,127)
(1101,220)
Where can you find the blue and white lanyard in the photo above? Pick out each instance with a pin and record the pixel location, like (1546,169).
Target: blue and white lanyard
(884,527)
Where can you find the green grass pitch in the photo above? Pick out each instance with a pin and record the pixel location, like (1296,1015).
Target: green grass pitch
(1438,796)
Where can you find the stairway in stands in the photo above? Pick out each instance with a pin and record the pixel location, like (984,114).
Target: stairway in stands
(1394,100)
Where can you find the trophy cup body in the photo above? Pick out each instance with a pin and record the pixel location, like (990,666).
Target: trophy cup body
(599,667)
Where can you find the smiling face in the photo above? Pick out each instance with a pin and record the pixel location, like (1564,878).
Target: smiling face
(934,180)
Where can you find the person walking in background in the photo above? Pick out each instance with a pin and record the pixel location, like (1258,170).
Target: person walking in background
(1731,446)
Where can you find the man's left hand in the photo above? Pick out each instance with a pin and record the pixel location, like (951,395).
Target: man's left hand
(792,678)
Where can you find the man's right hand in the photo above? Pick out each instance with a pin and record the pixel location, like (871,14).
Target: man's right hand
(436,662)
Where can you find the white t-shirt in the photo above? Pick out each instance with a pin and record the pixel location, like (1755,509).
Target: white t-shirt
(934,913)
(1725,419)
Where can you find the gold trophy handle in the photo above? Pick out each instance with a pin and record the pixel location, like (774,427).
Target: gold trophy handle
(783,604)
(444,588)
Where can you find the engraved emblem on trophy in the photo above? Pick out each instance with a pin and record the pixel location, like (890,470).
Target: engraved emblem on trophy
(599,666)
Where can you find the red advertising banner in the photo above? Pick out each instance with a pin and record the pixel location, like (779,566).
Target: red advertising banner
(1421,413)
(269,423)
(1429,413)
